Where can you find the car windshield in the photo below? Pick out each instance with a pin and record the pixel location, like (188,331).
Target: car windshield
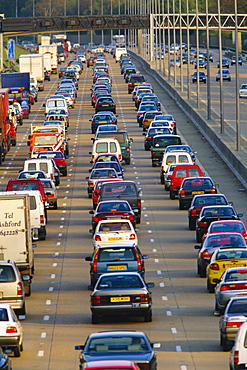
(236,275)
(113,207)
(231,254)
(198,183)
(209,200)
(226,226)
(116,254)
(106,173)
(117,343)
(114,226)
(120,282)
(115,190)
(238,306)
(217,211)
(219,240)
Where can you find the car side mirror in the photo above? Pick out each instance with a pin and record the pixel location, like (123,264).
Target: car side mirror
(91,212)
(231,203)
(144,134)
(89,152)
(88,259)
(150,285)
(197,246)
(140,192)
(91,231)
(131,140)
(145,256)
(240,214)
(44,105)
(90,287)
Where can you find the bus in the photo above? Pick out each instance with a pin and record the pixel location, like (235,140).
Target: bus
(118,41)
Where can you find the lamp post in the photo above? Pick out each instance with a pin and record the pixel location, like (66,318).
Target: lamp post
(181,40)
(238,128)
(102,31)
(188,51)
(174,44)
(91,32)
(78,12)
(208,67)
(169,40)
(197,58)
(222,128)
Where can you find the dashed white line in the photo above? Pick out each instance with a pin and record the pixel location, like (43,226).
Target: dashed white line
(43,335)
(154,250)
(41,353)
(149,231)
(162,285)
(168,313)
(156,261)
(178,349)
(54,264)
(174,330)
(158,272)
(46,318)
(48,302)
(152,240)
(164,298)
(53,276)
(51,289)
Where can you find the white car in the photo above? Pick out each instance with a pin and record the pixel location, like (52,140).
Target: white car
(238,355)
(11,332)
(112,232)
(243,91)
(162,123)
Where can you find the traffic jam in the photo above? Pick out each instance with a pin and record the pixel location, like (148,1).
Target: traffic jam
(118,286)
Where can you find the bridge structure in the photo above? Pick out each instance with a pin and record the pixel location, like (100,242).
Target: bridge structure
(35,25)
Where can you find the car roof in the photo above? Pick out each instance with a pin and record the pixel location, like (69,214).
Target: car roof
(108,363)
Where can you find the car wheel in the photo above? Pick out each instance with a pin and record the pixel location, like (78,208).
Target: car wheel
(172,195)
(21,311)
(226,346)
(65,172)
(202,272)
(42,233)
(140,125)
(90,196)
(192,224)
(17,351)
(95,319)
(55,205)
(229,80)
(181,205)
(146,147)
(148,317)
(138,220)
(127,161)
(28,290)
(198,236)
(220,310)
(210,287)
(21,347)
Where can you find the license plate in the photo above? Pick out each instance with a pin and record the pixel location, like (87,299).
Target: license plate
(102,121)
(115,238)
(197,192)
(105,105)
(113,218)
(120,299)
(1,295)
(241,295)
(237,264)
(117,268)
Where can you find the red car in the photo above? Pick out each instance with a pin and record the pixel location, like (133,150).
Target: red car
(96,190)
(110,365)
(59,159)
(232,226)
(112,210)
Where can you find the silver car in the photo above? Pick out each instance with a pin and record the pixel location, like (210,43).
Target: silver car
(234,316)
(233,283)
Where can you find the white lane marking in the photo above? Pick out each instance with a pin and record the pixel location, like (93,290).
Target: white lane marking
(137,177)
(145,215)
(65,198)
(41,353)
(156,261)
(147,223)
(144,208)
(54,264)
(43,335)
(168,313)
(53,276)
(150,231)
(57,254)
(62,218)
(164,298)
(58,243)
(48,302)
(158,272)
(162,285)
(64,204)
(183,367)
(60,234)
(64,211)
(61,226)
(46,318)
(51,289)
(178,349)
(142,201)
(151,240)
(174,330)
(154,250)
(138,182)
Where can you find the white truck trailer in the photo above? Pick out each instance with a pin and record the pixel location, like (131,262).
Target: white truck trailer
(52,50)
(34,64)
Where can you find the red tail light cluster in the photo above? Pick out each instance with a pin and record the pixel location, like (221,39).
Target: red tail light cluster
(182,193)
(97,238)
(234,324)
(202,224)
(132,237)
(236,357)
(19,289)
(142,298)
(205,254)
(11,330)
(42,219)
(233,287)
(214,266)
(94,265)
(213,191)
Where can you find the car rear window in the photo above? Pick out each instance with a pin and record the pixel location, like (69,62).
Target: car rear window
(224,211)
(117,343)
(114,226)
(120,281)
(227,226)
(118,190)
(7,274)
(33,204)
(22,186)
(113,148)
(4,314)
(238,306)
(137,79)
(121,254)
(198,183)
(165,141)
(103,173)
(101,147)
(115,135)
(193,172)
(209,200)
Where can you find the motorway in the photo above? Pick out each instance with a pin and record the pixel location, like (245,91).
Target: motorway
(229,89)
(58,313)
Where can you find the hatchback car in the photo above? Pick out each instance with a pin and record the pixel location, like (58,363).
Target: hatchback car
(101,173)
(167,117)
(102,118)
(97,190)
(113,210)
(222,259)
(123,345)
(11,332)
(233,226)
(111,164)
(134,80)
(233,283)
(112,232)
(116,259)
(202,77)
(121,294)
(192,186)
(238,355)
(105,104)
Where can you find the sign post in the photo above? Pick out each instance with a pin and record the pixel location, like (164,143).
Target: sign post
(11,49)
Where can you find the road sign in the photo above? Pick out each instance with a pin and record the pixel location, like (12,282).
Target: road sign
(11,49)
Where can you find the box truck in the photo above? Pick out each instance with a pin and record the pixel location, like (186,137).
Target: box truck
(34,64)
(52,50)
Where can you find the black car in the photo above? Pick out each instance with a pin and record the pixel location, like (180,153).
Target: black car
(134,80)
(47,75)
(153,131)
(119,345)
(105,104)
(202,77)
(126,190)
(192,186)
(213,213)
(102,118)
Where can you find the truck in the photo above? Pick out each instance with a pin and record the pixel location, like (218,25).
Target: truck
(34,64)
(119,52)
(52,140)
(15,235)
(45,40)
(7,131)
(52,50)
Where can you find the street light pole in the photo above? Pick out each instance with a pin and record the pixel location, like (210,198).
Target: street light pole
(238,127)
(181,40)
(208,67)
(222,128)
(197,57)
(188,50)
(169,41)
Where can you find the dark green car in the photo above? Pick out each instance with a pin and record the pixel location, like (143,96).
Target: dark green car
(123,139)
(160,143)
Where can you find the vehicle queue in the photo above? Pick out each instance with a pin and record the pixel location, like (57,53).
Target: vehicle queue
(120,226)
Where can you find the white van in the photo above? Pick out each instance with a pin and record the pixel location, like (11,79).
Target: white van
(41,164)
(238,355)
(178,157)
(106,145)
(119,52)
(37,212)
(56,103)
(33,81)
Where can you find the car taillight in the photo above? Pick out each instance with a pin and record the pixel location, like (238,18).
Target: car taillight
(120,157)
(201,224)
(131,218)
(233,287)
(51,195)
(96,219)
(153,153)
(90,183)
(193,211)
(97,238)
(11,329)
(214,266)
(235,357)
(138,204)
(19,289)
(142,298)
(95,300)
(213,191)
(95,261)
(205,254)
(51,176)
(42,219)
(148,139)
(132,237)
(182,193)
(128,149)
(129,84)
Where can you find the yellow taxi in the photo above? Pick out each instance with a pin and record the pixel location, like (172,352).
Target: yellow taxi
(221,260)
